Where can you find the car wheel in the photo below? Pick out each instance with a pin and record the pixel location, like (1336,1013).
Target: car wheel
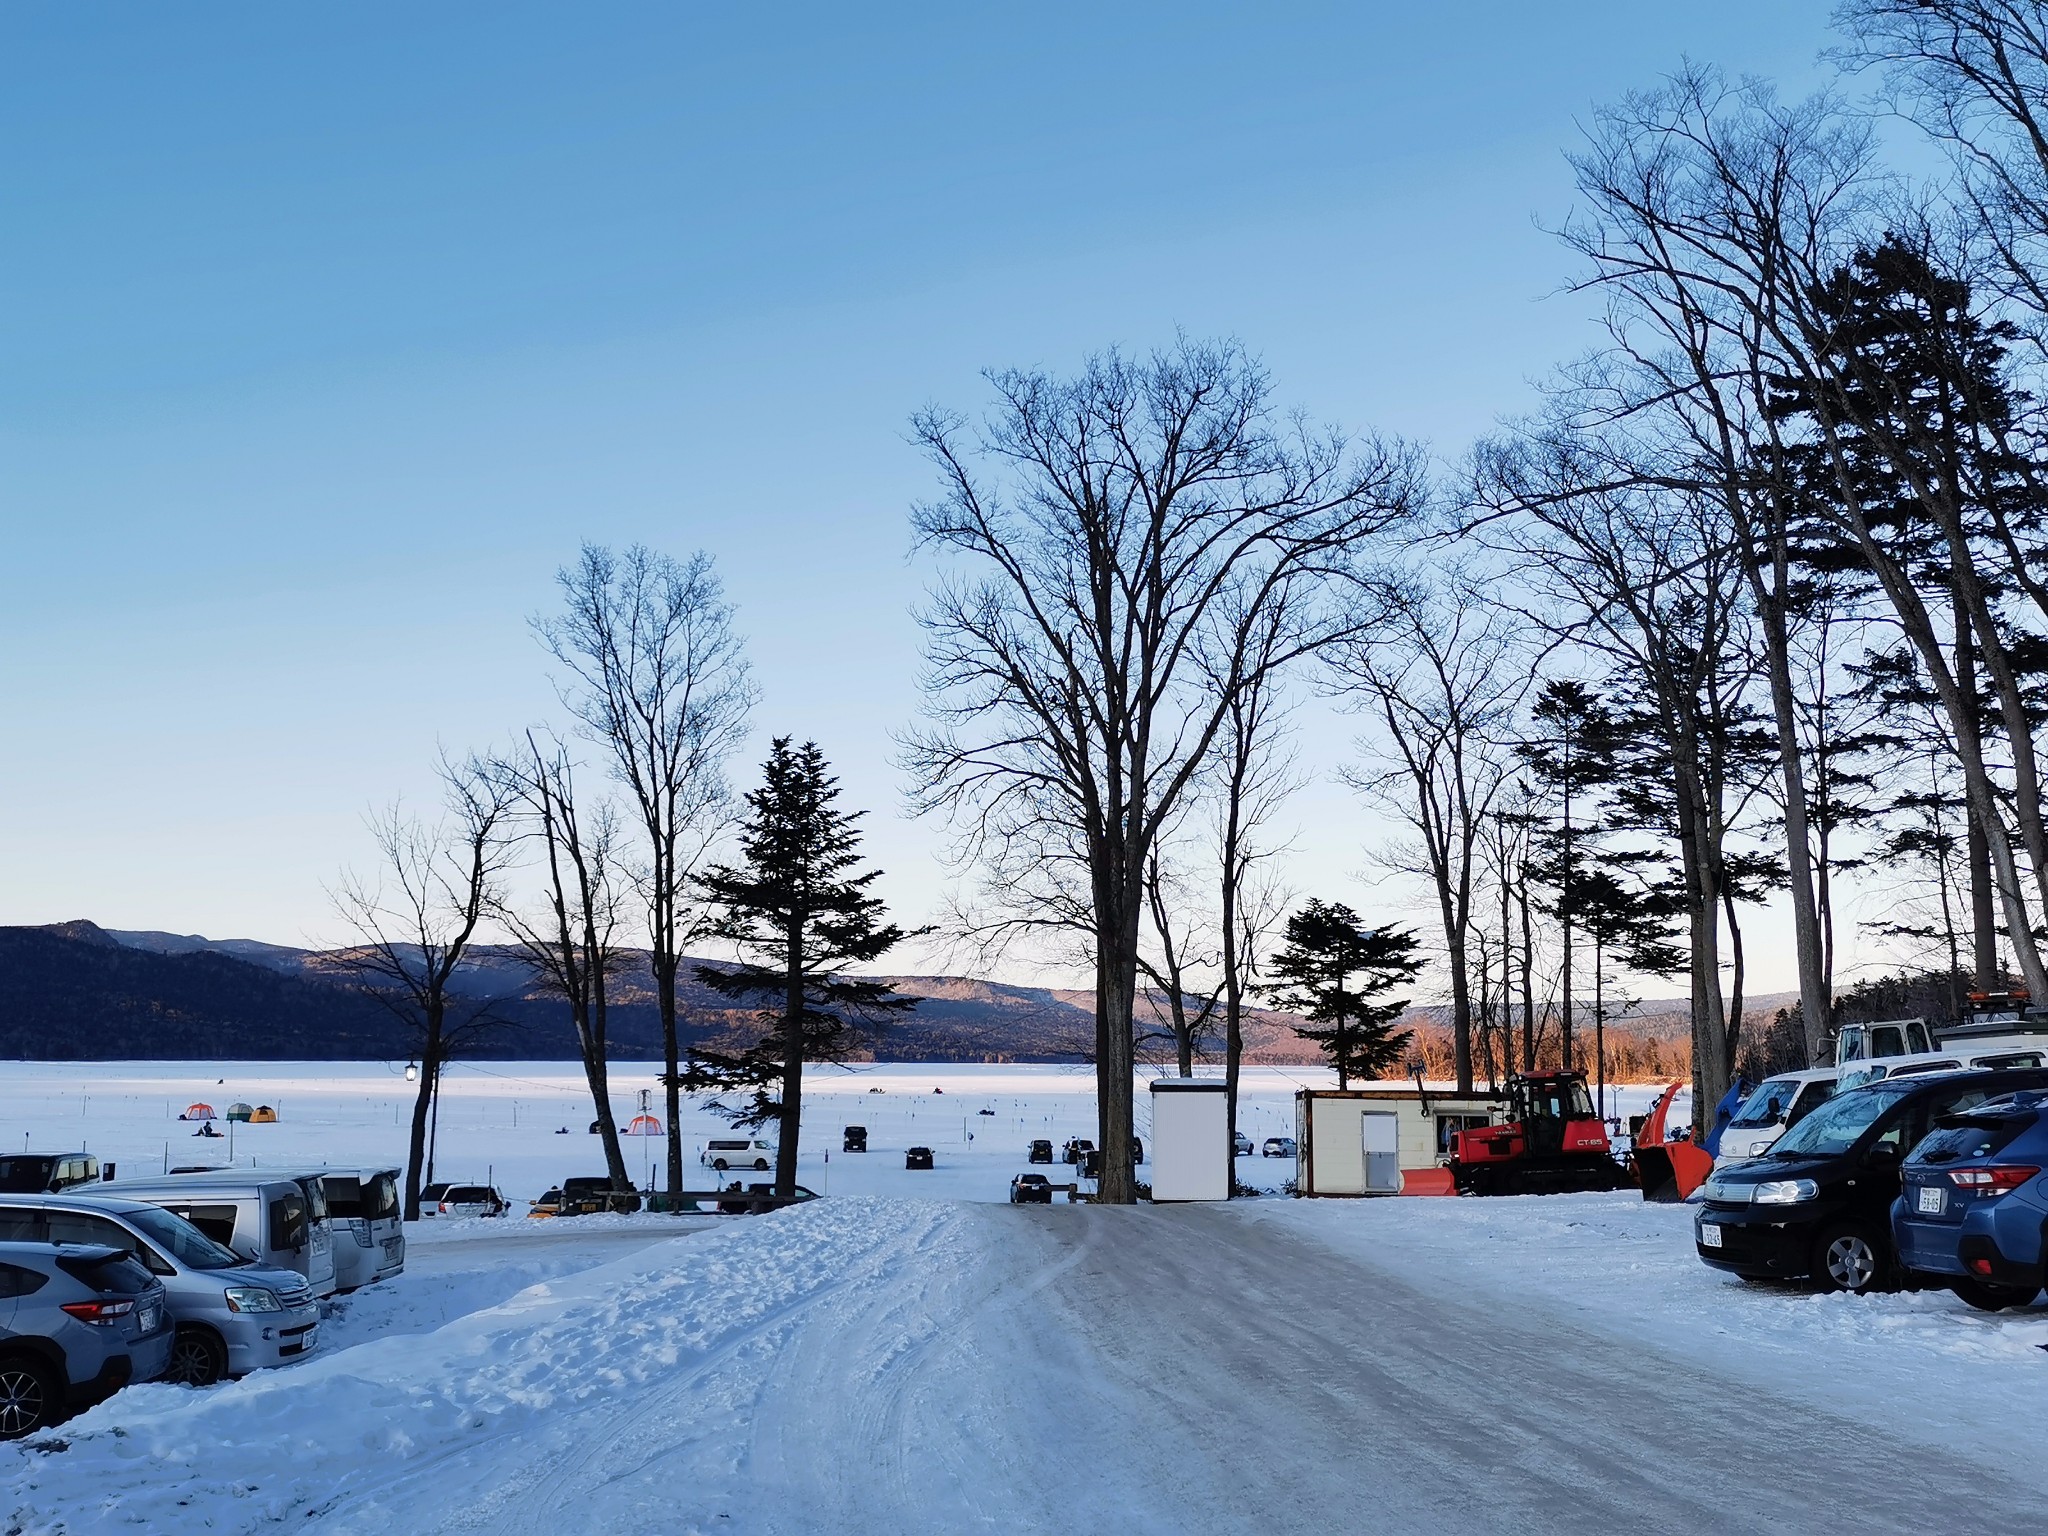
(197,1359)
(31,1397)
(1848,1258)
(760,1165)
(1986,1297)
(719,1164)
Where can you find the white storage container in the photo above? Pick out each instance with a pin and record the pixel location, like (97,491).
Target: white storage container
(1190,1139)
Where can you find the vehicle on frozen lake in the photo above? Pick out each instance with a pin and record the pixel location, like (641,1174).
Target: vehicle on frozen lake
(734,1153)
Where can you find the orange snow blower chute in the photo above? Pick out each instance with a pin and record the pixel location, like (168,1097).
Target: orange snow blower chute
(1668,1167)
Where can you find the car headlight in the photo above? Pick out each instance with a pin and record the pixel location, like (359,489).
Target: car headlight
(1785,1191)
(252,1298)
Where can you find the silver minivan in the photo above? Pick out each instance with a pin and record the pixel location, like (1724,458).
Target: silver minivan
(232,1316)
(268,1218)
(369,1238)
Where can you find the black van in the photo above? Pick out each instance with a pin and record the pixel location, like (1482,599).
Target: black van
(1818,1204)
(47,1173)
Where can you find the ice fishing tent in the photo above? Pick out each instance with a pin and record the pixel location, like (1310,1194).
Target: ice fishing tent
(197,1112)
(644,1125)
(1190,1139)
(1382,1139)
(263,1115)
(240,1112)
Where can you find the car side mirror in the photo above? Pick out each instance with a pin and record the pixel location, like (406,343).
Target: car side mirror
(1885,1154)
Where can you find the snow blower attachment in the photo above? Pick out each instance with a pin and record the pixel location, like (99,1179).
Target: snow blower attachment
(1669,1167)
(1551,1143)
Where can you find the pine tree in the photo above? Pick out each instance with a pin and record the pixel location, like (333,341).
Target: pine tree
(798,914)
(1325,950)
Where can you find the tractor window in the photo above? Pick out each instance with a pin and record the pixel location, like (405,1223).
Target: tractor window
(1448,1127)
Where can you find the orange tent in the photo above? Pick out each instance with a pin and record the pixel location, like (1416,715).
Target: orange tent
(197,1112)
(644,1125)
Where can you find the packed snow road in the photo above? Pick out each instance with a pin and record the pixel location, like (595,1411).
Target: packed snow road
(902,1367)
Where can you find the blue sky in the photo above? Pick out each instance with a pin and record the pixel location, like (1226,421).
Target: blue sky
(326,333)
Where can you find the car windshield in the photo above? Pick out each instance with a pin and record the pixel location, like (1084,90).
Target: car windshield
(181,1240)
(26,1175)
(1768,1105)
(1834,1127)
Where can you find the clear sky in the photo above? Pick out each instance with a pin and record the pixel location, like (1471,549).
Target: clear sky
(327,332)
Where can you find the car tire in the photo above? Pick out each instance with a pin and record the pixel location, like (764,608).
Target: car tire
(198,1359)
(1986,1297)
(760,1165)
(1848,1257)
(719,1165)
(31,1396)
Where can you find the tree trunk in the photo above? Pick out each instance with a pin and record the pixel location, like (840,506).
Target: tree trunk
(672,1078)
(416,1147)
(1528,978)
(1117,985)
(1983,901)
(1233,994)
(791,1125)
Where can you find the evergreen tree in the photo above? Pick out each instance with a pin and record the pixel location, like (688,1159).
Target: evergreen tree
(1326,949)
(798,914)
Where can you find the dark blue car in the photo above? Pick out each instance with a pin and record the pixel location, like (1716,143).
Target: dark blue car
(1972,1210)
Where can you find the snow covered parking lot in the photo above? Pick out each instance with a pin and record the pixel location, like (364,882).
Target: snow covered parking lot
(887,1365)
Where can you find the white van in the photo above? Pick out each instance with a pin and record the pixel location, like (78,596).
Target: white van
(1984,1057)
(1778,1104)
(265,1217)
(734,1153)
(369,1238)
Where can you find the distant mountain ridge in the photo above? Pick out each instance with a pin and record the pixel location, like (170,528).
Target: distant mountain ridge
(74,990)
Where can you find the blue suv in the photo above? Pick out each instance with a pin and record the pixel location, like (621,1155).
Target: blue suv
(1972,1211)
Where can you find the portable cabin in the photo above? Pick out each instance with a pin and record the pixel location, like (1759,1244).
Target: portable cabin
(1382,1139)
(1190,1139)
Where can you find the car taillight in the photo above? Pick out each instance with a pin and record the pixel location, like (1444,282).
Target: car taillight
(1991,1181)
(98,1311)
(444,1207)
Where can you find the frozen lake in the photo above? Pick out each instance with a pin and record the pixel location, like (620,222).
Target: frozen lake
(524,1126)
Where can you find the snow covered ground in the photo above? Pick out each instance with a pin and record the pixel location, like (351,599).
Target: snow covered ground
(880,1362)
(899,1366)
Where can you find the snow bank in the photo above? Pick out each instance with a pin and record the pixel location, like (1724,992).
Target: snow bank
(283,1446)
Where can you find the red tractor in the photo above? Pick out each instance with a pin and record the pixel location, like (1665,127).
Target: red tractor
(1552,1142)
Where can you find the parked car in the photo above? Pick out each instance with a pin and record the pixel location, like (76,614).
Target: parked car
(1278,1146)
(77,1323)
(46,1173)
(797,1191)
(1137,1149)
(917,1157)
(1240,1144)
(1076,1149)
(1817,1205)
(431,1196)
(1966,1057)
(1031,1189)
(265,1217)
(549,1204)
(363,1214)
(594,1196)
(469,1200)
(758,1155)
(854,1139)
(1972,1212)
(233,1316)
(1041,1151)
(1777,1104)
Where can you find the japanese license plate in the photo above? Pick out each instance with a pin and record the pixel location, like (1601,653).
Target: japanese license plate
(1930,1198)
(1710,1235)
(146,1322)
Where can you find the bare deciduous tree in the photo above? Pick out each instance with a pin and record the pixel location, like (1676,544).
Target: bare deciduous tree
(1103,535)
(572,943)
(1442,687)
(658,678)
(415,922)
